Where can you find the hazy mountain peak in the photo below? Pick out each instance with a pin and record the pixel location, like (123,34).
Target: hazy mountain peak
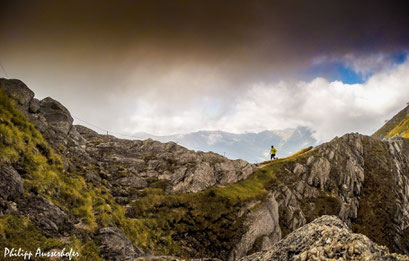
(250,146)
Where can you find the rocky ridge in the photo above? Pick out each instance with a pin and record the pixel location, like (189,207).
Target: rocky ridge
(110,157)
(362,180)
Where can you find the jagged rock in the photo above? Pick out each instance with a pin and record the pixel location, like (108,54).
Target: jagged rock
(186,170)
(115,246)
(11,184)
(46,215)
(326,238)
(332,180)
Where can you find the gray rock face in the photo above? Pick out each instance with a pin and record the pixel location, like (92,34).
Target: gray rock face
(326,238)
(11,184)
(263,226)
(47,216)
(115,246)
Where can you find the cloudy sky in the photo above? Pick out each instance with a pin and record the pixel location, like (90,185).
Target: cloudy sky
(166,67)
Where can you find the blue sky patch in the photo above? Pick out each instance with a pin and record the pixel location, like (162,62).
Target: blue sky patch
(334,71)
(399,58)
(339,71)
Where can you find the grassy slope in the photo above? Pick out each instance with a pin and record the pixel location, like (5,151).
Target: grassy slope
(402,129)
(390,126)
(22,146)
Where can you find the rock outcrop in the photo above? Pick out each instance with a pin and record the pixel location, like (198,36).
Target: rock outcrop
(326,238)
(263,224)
(52,220)
(129,162)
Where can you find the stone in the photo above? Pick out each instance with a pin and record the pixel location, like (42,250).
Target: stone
(56,115)
(11,184)
(132,182)
(115,246)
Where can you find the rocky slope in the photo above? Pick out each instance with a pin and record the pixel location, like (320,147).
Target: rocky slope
(63,185)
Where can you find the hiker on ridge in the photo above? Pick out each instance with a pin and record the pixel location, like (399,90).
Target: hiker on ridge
(273,153)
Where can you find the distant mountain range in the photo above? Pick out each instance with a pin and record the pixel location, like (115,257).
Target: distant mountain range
(252,147)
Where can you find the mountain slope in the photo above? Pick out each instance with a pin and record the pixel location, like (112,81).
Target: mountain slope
(252,147)
(89,180)
(63,185)
(397,126)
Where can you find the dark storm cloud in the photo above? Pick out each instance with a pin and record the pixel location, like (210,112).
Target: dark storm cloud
(171,58)
(240,36)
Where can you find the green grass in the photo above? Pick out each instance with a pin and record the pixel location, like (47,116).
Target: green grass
(20,232)
(23,147)
(402,129)
(392,124)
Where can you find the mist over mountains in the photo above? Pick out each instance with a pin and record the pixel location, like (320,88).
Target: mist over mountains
(252,147)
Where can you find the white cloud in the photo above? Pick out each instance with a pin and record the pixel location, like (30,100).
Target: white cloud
(329,108)
(368,64)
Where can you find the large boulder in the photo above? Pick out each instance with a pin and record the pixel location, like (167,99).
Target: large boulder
(57,116)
